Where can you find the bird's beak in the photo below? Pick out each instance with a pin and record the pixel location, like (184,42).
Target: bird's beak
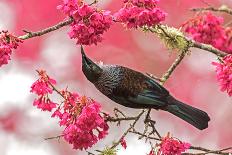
(84,57)
(82,51)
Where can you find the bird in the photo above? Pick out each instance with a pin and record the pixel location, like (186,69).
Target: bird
(134,89)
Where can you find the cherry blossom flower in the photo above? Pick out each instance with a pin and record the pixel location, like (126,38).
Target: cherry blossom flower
(171,146)
(80,115)
(89,22)
(88,128)
(44,104)
(224,74)
(7,43)
(138,13)
(207,28)
(42,87)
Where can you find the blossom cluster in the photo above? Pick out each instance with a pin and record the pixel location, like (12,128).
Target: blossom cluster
(80,115)
(42,87)
(172,146)
(89,22)
(224,73)
(7,43)
(138,13)
(207,28)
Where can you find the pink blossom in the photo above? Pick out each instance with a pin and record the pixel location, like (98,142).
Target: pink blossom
(44,104)
(171,146)
(138,13)
(84,126)
(42,85)
(57,113)
(224,74)
(68,6)
(80,115)
(79,138)
(88,128)
(89,22)
(5,53)
(207,28)
(7,43)
(123,142)
(65,119)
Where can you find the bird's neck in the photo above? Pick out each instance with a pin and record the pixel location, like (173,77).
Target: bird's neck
(109,79)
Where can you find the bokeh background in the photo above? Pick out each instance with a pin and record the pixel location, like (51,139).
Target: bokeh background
(23,127)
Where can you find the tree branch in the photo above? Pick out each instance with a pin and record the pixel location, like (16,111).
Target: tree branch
(168,73)
(112,119)
(222,8)
(207,151)
(128,130)
(207,47)
(29,34)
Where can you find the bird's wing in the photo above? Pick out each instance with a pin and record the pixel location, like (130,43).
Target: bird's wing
(153,95)
(139,91)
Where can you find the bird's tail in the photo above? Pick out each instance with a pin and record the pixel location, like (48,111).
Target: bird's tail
(194,116)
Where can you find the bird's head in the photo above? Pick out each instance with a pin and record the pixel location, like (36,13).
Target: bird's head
(91,70)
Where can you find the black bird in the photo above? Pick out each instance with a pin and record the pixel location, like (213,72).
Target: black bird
(133,89)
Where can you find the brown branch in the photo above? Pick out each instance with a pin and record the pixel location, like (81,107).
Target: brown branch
(222,8)
(189,42)
(144,135)
(128,130)
(168,73)
(207,151)
(117,111)
(207,47)
(29,34)
(56,90)
(112,119)
(55,137)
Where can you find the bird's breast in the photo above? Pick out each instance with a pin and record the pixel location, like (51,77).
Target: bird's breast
(109,80)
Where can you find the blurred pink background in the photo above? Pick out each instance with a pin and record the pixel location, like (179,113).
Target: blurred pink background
(23,127)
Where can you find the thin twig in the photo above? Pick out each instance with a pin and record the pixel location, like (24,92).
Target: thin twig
(141,134)
(148,115)
(116,111)
(46,30)
(223,9)
(128,130)
(173,67)
(112,119)
(192,43)
(207,47)
(207,151)
(55,137)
